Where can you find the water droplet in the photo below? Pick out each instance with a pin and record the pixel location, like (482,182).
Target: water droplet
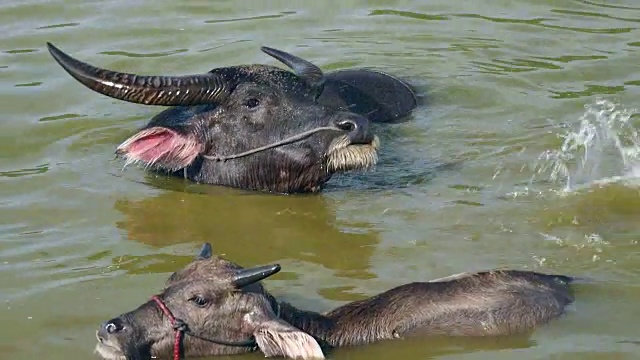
(585,154)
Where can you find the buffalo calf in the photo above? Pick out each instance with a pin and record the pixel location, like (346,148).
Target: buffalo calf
(216,307)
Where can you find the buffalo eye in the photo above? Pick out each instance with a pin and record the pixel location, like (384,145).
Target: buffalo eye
(252,103)
(199,300)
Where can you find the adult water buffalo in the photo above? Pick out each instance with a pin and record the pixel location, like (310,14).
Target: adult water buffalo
(216,307)
(255,127)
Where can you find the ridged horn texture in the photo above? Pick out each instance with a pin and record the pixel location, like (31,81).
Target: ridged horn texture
(311,74)
(249,276)
(142,89)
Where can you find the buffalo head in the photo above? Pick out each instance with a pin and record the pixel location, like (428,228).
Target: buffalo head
(253,127)
(218,307)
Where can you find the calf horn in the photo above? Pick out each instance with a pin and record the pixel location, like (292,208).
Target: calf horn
(249,276)
(148,90)
(205,252)
(311,73)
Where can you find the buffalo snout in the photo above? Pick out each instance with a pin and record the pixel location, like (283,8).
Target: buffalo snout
(114,338)
(110,327)
(357,127)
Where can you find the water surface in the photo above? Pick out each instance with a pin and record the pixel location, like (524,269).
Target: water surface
(533,101)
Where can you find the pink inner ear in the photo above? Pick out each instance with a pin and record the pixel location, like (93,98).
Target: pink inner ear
(161,146)
(151,146)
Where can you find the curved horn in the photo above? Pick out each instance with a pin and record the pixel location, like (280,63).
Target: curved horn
(309,72)
(205,251)
(252,275)
(148,90)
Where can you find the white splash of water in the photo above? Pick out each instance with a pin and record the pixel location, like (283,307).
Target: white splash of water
(605,148)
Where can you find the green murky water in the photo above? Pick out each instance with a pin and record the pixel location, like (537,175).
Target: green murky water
(81,240)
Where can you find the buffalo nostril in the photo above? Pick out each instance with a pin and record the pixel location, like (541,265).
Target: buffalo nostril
(357,127)
(347,125)
(112,326)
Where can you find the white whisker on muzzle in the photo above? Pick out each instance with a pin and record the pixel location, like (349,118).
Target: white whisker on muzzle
(344,156)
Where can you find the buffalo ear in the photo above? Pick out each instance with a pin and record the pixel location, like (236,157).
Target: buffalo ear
(205,251)
(161,147)
(276,337)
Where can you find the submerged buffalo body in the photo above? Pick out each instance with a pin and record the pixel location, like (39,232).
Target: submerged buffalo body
(255,127)
(216,307)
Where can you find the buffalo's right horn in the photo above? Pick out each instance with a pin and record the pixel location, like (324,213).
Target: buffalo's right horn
(252,275)
(148,90)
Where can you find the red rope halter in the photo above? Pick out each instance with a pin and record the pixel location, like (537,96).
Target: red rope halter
(180,327)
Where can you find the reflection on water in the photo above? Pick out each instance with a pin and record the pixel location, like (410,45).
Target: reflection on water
(251,228)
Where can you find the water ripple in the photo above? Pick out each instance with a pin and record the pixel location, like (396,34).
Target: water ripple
(20,51)
(541,23)
(40,169)
(31,84)
(144,55)
(61,117)
(408,14)
(515,65)
(593,14)
(534,21)
(591,90)
(604,4)
(249,18)
(572,58)
(71,24)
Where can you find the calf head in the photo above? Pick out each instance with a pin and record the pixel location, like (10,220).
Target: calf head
(223,309)
(232,110)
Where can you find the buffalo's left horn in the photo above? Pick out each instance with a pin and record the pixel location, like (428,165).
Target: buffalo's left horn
(311,73)
(141,89)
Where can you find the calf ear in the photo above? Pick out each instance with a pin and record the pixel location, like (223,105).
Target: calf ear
(276,337)
(161,147)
